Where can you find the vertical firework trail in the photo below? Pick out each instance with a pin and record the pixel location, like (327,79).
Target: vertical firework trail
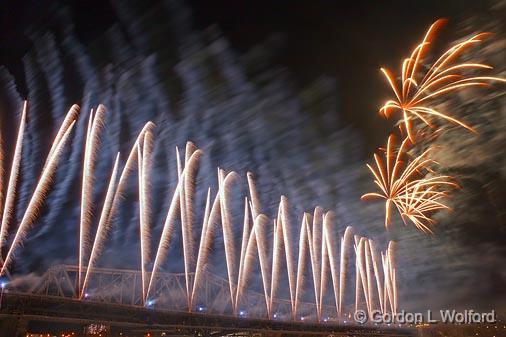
(103,226)
(282,240)
(379,284)
(228,234)
(257,240)
(301,260)
(345,240)
(360,272)
(186,190)
(144,148)
(389,291)
(328,258)
(2,172)
(262,249)
(220,208)
(244,246)
(43,184)
(287,244)
(13,179)
(248,239)
(168,226)
(314,238)
(140,153)
(275,263)
(129,165)
(203,245)
(95,124)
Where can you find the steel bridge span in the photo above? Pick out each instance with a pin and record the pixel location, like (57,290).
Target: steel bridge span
(114,300)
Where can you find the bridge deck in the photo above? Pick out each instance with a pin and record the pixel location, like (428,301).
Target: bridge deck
(56,309)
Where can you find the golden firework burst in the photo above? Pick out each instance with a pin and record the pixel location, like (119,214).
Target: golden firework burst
(416,88)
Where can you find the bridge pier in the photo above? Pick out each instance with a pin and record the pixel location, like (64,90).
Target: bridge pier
(13,326)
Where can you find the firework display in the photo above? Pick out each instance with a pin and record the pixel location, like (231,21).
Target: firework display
(268,241)
(186,168)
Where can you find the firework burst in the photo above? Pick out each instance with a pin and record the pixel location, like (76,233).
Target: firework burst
(399,182)
(417,87)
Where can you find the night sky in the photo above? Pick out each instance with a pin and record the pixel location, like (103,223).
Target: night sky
(348,40)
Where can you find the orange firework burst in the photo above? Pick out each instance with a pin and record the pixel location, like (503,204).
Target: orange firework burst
(417,87)
(400,184)
(418,200)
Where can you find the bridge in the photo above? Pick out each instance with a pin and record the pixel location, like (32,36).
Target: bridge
(114,299)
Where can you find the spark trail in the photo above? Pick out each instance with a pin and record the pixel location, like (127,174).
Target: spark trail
(103,226)
(128,167)
(95,124)
(144,149)
(170,219)
(13,179)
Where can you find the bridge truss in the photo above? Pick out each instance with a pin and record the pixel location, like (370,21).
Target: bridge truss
(114,299)
(121,286)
